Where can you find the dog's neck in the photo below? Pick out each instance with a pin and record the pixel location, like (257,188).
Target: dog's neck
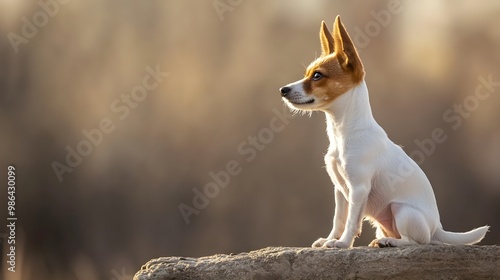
(350,113)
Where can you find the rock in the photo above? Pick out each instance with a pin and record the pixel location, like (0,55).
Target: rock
(415,262)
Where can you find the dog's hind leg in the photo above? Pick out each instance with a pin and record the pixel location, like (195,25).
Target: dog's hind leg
(380,233)
(411,225)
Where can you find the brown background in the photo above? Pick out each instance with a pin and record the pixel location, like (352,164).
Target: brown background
(119,207)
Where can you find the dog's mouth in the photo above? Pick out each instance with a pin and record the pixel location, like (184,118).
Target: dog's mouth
(300,102)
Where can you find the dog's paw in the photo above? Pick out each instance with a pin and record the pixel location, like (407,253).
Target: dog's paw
(336,244)
(384,242)
(319,243)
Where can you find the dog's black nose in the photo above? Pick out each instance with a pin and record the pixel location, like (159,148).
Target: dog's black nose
(284,91)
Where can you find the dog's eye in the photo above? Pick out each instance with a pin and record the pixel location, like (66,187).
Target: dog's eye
(316,76)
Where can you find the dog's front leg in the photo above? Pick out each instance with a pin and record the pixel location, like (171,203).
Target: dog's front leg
(358,196)
(340,217)
(339,220)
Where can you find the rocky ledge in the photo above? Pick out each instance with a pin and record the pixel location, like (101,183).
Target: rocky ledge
(415,262)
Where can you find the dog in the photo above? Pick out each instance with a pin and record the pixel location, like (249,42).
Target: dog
(373,177)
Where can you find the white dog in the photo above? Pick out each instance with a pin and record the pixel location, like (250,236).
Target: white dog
(373,177)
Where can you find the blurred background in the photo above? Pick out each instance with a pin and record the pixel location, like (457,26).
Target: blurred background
(66,67)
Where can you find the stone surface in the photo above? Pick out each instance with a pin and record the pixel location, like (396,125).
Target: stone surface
(415,262)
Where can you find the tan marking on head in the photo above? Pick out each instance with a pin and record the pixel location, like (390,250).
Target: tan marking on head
(341,67)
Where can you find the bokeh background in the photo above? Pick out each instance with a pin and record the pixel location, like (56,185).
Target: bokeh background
(226,60)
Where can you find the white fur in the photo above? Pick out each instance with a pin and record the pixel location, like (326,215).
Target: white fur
(375,179)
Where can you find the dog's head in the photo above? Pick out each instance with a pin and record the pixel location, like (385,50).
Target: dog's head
(336,71)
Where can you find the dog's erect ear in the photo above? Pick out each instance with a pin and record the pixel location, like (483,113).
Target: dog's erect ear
(326,40)
(346,51)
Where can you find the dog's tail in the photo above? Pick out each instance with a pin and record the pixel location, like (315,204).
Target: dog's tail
(466,238)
